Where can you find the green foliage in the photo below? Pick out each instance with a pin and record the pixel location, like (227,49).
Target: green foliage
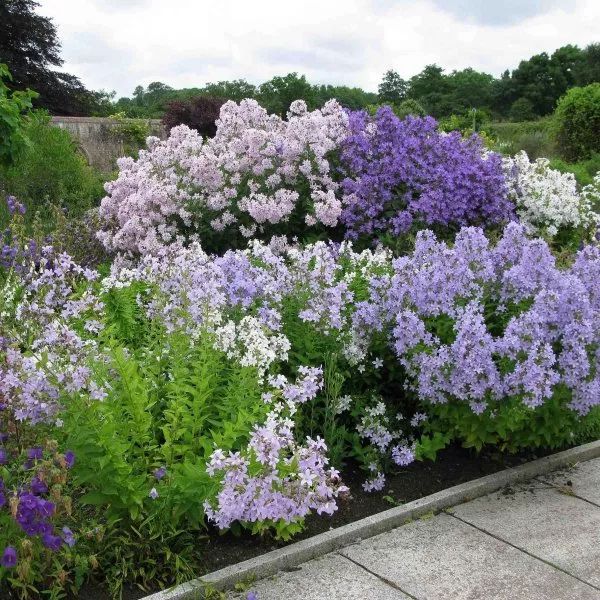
(584,170)
(467,123)
(235,90)
(349,97)
(508,424)
(409,107)
(50,171)
(433,90)
(532,136)
(392,89)
(169,404)
(14,107)
(577,123)
(471,89)
(278,93)
(131,132)
(522,110)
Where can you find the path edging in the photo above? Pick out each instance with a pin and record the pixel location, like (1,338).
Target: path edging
(291,556)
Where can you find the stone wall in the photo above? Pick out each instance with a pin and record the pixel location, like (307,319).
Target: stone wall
(100,140)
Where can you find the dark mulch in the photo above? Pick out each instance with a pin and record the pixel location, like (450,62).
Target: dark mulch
(454,465)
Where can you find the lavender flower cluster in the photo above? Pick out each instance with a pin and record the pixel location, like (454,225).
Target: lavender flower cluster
(276,479)
(470,323)
(402,170)
(256,172)
(551,331)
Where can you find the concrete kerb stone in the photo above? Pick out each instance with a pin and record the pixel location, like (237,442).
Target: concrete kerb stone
(295,554)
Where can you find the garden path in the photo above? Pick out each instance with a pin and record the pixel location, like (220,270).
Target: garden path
(535,541)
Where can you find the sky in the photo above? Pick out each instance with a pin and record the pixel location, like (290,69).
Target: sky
(118,44)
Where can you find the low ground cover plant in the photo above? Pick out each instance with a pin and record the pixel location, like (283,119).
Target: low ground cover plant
(281,300)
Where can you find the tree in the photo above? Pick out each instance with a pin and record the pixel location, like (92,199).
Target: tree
(564,65)
(533,80)
(588,70)
(522,110)
(503,93)
(236,90)
(432,89)
(470,89)
(29,46)
(277,94)
(352,98)
(392,89)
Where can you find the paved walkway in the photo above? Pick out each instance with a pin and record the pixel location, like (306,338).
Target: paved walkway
(536,541)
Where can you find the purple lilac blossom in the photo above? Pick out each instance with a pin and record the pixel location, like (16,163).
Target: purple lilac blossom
(401,170)
(9,558)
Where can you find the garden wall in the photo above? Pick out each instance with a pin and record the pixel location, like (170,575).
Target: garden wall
(100,138)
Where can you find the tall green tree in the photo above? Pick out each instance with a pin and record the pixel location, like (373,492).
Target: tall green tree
(236,90)
(30,48)
(470,89)
(392,89)
(433,89)
(278,93)
(349,97)
(588,70)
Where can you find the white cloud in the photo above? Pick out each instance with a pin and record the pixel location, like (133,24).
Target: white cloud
(118,45)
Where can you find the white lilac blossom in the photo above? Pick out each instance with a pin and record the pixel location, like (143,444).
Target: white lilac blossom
(245,178)
(547,199)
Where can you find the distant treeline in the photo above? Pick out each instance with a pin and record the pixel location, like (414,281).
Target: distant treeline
(526,93)
(30,48)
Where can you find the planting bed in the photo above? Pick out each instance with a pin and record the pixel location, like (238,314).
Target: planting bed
(334,290)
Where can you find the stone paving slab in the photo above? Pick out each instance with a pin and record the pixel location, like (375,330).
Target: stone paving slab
(332,577)
(555,527)
(584,478)
(445,559)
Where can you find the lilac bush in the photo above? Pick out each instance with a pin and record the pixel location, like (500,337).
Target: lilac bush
(327,172)
(257,172)
(398,171)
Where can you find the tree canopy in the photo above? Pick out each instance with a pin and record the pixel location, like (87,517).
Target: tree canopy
(30,48)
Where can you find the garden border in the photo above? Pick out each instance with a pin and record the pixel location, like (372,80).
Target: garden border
(291,556)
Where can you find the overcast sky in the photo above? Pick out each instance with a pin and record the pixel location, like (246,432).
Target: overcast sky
(118,44)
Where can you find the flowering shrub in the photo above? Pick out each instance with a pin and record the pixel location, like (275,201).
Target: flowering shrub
(547,200)
(258,171)
(276,481)
(34,506)
(497,336)
(229,389)
(404,170)
(328,171)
